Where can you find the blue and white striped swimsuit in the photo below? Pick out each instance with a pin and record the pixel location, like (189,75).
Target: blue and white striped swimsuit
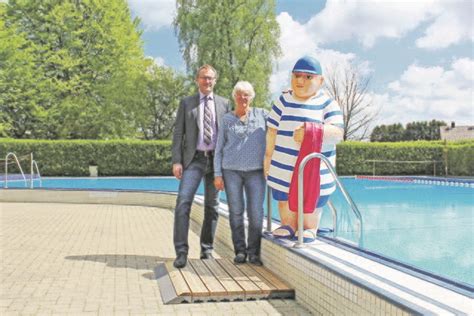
(286,115)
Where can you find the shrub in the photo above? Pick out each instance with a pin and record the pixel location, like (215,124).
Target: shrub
(73,157)
(152,158)
(354,158)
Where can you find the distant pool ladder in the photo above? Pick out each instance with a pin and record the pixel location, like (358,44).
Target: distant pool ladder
(345,194)
(33,165)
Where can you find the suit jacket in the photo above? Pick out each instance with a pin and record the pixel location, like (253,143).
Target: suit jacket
(187,126)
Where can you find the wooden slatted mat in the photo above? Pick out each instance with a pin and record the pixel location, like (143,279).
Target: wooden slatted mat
(218,280)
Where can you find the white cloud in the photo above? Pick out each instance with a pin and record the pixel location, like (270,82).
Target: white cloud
(451,26)
(446,22)
(368,20)
(295,42)
(154,14)
(426,93)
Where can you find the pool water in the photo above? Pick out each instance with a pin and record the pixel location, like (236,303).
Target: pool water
(427,226)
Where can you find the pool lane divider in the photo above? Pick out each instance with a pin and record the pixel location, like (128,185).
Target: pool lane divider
(423,180)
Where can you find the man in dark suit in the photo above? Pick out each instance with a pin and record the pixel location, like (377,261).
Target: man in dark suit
(194,140)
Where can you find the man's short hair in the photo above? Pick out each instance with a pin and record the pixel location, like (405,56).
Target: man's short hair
(206,66)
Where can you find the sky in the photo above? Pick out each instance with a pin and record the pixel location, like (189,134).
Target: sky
(418,54)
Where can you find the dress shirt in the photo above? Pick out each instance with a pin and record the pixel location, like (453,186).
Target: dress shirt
(201,145)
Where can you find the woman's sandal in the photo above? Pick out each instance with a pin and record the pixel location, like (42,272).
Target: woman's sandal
(284,232)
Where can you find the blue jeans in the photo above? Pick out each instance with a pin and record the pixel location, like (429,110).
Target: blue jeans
(199,168)
(253,183)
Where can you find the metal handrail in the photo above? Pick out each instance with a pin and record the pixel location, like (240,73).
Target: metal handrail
(334,218)
(6,169)
(269,209)
(346,195)
(269,213)
(34,164)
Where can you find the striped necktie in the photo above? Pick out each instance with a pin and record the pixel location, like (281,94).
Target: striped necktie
(207,122)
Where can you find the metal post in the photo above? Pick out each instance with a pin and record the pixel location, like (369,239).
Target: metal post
(32,173)
(6,172)
(334,218)
(299,243)
(373,168)
(434,168)
(269,210)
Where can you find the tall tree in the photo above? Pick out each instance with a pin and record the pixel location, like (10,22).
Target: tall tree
(163,90)
(22,88)
(388,133)
(423,130)
(238,37)
(87,54)
(349,87)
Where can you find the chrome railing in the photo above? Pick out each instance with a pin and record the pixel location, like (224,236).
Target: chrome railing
(34,165)
(334,218)
(346,195)
(269,209)
(6,169)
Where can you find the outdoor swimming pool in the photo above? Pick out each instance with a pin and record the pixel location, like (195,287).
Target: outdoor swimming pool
(429,226)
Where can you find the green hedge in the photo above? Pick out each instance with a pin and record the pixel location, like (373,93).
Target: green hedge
(461,160)
(352,158)
(147,158)
(73,157)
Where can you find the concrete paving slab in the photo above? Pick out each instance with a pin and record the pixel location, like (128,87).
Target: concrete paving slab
(81,259)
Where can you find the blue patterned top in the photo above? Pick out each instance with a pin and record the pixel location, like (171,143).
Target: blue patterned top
(241,144)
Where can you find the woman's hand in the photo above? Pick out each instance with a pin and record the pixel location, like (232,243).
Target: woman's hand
(219,183)
(266,166)
(298,134)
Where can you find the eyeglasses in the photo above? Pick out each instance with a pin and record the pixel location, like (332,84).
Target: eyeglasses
(304,76)
(207,78)
(244,95)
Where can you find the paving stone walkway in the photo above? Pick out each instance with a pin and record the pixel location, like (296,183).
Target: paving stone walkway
(74,259)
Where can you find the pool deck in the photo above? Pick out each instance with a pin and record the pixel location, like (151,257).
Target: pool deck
(76,259)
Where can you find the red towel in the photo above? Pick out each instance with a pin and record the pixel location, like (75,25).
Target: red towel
(312,142)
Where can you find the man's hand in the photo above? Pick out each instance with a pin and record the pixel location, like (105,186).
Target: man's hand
(178,170)
(219,183)
(298,134)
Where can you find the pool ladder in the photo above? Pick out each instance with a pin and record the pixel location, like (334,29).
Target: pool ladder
(33,165)
(344,192)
